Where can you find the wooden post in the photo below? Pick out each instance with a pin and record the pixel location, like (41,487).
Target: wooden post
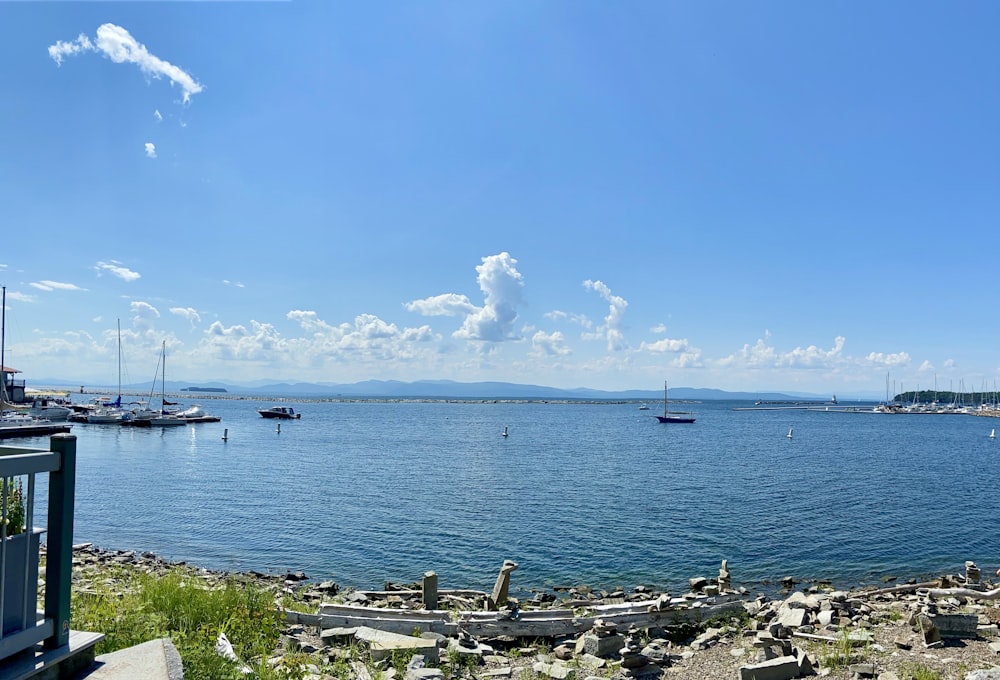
(59,562)
(430,590)
(502,586)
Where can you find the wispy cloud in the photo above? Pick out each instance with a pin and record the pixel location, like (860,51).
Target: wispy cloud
(611,330)
(236,284)
(188,313)
(115,268)
(115,43)
(49,286)
(157,115)
(150,150)
(20,297)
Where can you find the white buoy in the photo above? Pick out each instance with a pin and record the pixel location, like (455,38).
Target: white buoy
(225,435)
(504,433)
(789,435)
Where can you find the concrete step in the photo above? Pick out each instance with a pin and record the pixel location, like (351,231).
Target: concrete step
(153,660)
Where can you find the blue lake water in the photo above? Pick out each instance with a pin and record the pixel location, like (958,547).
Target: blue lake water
(599,494)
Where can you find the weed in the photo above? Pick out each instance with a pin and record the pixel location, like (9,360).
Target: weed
(919,672)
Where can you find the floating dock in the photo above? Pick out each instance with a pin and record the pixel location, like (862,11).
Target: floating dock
(33,430)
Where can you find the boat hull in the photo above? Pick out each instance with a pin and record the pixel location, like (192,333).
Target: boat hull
(675,419)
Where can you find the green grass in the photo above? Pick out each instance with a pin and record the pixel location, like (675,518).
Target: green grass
(130,607)
(919,672)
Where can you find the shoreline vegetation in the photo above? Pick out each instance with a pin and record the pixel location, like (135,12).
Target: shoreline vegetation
(255,625)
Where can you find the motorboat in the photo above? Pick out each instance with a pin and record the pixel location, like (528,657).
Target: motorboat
(282,412)
(50,409)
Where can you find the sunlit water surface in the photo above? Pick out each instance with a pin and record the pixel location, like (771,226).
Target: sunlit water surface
(600,494)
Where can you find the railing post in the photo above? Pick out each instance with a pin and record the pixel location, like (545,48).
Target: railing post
(59,555)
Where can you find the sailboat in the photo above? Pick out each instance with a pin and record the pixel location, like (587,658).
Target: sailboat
(164,419)
(676,416)
(111,412)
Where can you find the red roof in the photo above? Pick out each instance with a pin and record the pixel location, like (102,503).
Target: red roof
(8,369)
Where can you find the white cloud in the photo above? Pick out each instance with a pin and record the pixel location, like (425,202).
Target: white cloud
(501,285)
(549,344)
(114,267)
(665,345)
(150,150)
(20,297)
(157,115)
(188,313)
(580,319)
(926,367)
(763,355)
(119,46)
(612,328)
(897,359)
(143,315)
(68,49)
(237,284)
(446,304)
(658,328)
(49,286)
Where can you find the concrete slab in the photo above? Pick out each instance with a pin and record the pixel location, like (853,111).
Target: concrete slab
(153,660)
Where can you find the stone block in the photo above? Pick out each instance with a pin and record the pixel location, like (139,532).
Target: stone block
(383,644)
(781,668)
(956,625)
(603,645)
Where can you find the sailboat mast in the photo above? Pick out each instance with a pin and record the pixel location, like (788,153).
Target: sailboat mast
(163,381)
(3,342)
(664,398)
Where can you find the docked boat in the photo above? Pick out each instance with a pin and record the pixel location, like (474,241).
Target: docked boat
(17,424)
(111,413)
(282,412)
(673,416)
(50,409)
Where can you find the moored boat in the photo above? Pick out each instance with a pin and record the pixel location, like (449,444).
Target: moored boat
(282,412)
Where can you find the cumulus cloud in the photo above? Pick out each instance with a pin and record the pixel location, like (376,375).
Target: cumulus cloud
(665,345)
(49,286)
(447,304)
(115,43)
(143,315)
(763,355)
(501,285)
(611,330)
(658,328)
(897,359)
(115,268)
(150,150)
(549,344)
(188,313)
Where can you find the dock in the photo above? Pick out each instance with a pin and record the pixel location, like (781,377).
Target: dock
(33,430)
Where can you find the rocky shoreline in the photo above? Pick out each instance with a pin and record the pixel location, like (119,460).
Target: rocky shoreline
(940,628)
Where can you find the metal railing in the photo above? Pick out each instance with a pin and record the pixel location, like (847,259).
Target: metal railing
(22,626)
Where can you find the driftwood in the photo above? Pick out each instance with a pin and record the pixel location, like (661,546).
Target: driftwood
(908,588)
(961,592)
(523,623)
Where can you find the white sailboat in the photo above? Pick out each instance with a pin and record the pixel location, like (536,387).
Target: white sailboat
(111,413)
(164,419)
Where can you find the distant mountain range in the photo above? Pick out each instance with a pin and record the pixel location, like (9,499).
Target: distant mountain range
(449,389)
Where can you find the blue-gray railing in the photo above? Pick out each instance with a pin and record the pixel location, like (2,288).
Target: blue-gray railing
(51,626)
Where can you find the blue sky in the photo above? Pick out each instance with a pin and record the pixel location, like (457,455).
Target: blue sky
(747,196)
